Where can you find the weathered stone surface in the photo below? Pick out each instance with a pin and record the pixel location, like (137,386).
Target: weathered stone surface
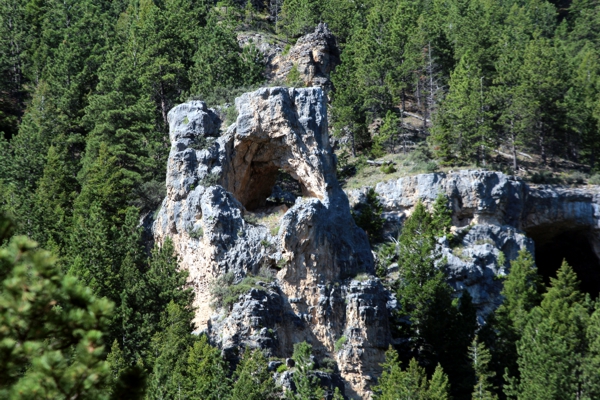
(496,211)
(316,250)
(314,55)
(486,197)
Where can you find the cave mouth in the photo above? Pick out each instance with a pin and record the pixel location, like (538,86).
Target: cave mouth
(269,186)
(574,246)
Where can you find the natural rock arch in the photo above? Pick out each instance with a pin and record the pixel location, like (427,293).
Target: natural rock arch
(273,133)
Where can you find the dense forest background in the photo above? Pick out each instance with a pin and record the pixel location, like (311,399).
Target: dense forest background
(85,87)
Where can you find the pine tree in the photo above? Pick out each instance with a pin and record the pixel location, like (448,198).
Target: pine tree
(591,363)
(206,372)
(481,357)
(394,383)
(220,62)
(300,16)
(463,125)
(51,329)
(521,293)
(553,342)
(252,380)
(170,349)
(307,385)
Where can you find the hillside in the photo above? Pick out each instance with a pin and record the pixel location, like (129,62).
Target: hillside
(299,199)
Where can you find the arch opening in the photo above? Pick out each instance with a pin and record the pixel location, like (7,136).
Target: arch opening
(553,245)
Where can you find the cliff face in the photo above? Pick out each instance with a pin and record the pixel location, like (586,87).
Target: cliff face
(312,266)
(214,197)
(493,212)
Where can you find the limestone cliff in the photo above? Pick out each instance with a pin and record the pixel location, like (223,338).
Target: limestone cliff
(215,180)
(494,212)
(314,56)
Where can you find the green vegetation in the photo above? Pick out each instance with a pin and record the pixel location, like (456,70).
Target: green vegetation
(225,292)
(411,383)
(368,216)
(293,77)
(340,343)
(307,384)
(85,90)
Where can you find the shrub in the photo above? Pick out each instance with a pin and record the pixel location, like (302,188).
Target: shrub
(251,219)
(388,168)
(340,343)
(594,179)
(231,114)
(577,178)
(225,293)
(328,364)
(275,230)
(293,77)
(199,143)
(362,277)
(195,234)
(282,368)
(210,179)
(543,177)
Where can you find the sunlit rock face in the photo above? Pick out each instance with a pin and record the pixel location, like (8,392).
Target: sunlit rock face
(492,213)
(218,214)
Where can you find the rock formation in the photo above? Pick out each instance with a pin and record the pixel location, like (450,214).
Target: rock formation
(493,212)
(310,267)
(314,55)
(219,181)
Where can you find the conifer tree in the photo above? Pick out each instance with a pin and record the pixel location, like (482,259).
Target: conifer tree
(252,380)
(307,385)
(553,343)
(591,363)
(169,349)
(463,128)
(481,357)
(206,372)
(51,328)
(412,383)
(521,293)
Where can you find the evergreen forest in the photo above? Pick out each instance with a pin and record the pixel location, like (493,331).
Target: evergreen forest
(90,310)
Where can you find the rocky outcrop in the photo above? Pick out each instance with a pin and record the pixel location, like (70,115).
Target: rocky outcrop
(218,181)
(314,56)
(492,213)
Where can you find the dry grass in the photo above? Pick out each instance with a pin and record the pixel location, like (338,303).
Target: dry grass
(268,216)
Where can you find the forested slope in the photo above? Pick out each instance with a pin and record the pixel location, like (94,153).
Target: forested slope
(85,88)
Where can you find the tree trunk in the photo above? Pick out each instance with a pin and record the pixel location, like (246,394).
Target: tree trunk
(542,144)
(514,147)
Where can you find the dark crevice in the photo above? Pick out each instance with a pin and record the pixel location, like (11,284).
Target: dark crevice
(575,247)
(270,186)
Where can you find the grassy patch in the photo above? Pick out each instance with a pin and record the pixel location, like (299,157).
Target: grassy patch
(362,277)
(268,217)
(225,293)
(195,233)
(282,368)
(461,253)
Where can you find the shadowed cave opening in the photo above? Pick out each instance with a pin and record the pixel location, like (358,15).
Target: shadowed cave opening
(574,245)
(271,186)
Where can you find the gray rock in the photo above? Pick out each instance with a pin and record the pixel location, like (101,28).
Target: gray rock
(214,197)
(491,212)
